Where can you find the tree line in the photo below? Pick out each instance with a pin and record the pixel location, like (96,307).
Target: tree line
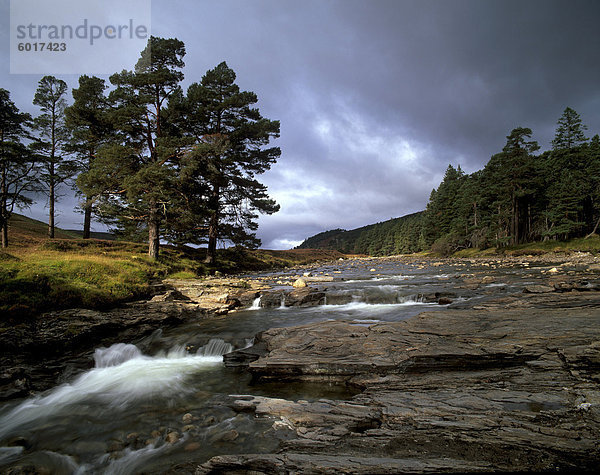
(146,158)
(520,196)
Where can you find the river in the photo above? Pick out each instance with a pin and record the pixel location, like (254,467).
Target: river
(155,404)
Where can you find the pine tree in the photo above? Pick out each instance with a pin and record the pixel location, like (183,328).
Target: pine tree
(135,173)
(87,120)
(232,141)
(52,136)
(569,131)
(17,165)
(570,185)
(594,172)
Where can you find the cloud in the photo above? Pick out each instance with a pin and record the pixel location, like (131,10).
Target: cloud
(376,98)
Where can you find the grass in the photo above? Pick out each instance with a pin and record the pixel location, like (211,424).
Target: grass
(62,274)
(38,274)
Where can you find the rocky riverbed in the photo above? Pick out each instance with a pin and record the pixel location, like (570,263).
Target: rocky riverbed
(503,375)
(512,385)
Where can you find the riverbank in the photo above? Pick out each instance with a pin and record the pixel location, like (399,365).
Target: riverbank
(57,274)
(34,349)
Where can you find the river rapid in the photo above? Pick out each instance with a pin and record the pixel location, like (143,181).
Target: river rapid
(161,403)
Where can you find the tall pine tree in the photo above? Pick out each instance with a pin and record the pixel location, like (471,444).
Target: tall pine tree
(17,165)
(88,122)
(134,174)
(232,148)
(52,135)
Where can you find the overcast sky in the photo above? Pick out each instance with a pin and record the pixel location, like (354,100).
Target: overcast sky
(377,97)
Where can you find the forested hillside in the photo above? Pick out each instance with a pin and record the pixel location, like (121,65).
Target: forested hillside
(519,196)
(395,236)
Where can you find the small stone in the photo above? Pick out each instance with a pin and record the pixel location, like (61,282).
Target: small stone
(210,420)
(444,301)
(299,283)
(172,437)
(188,428)
(187,418)
(554,270)
(192,446)
(230,435)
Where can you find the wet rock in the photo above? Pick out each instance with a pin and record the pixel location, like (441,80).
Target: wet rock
(172,437)
(243,357)
(488,279)
(192,447)
(305,297)
(436,296)
(319,278)
(187,418)
(445,301)
(538,289)
(322,464)
(503,388)
(228,436)
(169,296)
(115,446)
(564,286)
(188,428)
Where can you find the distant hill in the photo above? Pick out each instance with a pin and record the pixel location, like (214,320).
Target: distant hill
(24,229)
(394,236)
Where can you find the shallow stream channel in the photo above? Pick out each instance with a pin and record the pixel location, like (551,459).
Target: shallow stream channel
(162,403)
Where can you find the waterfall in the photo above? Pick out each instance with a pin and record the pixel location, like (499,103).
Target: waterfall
(215,347)
(255,304)
(115,355)
(122,377)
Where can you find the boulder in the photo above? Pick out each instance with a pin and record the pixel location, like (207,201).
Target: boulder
(299,283)
(304,297)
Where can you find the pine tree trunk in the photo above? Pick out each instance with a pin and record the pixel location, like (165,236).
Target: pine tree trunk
(87,218)
(513,223)
(51,212)
(213,228)
(211,253)
(153,233)
(4,233)
(4,211)
(594,230)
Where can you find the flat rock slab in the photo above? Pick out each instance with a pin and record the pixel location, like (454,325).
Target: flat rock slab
(504,387)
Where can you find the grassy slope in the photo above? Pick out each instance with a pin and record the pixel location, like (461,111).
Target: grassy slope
(38,274)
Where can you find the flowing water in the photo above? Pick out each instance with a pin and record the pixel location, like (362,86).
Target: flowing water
(156,403)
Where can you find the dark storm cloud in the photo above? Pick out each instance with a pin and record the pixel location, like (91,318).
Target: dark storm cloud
(376,97)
